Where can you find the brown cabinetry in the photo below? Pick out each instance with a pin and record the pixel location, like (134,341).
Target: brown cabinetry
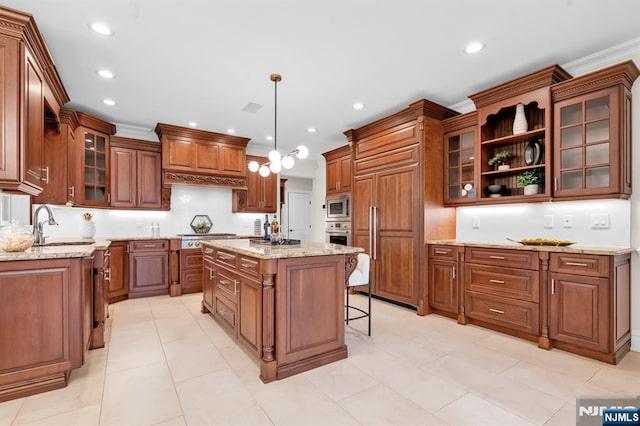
(208,279)
(197,157)
(31,93)
(101,272)
(592,151)
(397,187)
(443,279)
(148,268)
(92,186)
(589,305)
(338,170)
(136,168)
(261,193)
(191,270)
(118,283)
(460,181)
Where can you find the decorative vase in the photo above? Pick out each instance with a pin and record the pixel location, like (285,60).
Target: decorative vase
(531,189)
(504,167)
(520,121)
(88,227)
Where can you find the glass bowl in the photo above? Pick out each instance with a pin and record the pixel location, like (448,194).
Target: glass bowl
(15,238)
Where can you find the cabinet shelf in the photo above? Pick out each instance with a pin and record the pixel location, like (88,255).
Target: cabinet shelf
(513,139)
(511,171)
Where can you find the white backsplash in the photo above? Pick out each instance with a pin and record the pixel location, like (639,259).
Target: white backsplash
(517,221)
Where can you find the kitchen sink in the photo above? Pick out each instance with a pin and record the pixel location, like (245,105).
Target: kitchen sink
(67,243)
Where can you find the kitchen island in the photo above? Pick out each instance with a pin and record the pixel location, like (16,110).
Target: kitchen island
(283,303)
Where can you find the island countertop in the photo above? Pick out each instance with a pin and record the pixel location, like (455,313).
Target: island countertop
(265,250)
(574,248)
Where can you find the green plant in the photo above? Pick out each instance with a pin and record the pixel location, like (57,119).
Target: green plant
(500,157)
(530,177)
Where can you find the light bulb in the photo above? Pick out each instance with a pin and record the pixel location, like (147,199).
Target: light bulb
(254,166)
(264,171)
(275,166)
(287,162)
(274,155)
(303,152)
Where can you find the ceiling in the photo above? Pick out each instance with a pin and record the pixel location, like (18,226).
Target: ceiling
(177,61)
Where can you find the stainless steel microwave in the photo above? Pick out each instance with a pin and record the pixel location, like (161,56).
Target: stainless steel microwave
(338,207)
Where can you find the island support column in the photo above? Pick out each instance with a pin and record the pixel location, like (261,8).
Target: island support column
(268,365)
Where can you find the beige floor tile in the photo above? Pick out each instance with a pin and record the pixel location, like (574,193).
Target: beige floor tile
(621,381)
(86,416)
(472,410)
(193,357)
(131,311)
(171,329)
(295,400)
(131,332)
(245,366)
(459,372)
(486,359)
(375,363)
(219,398)
(563,417)
(178,421)
(381,405)
(630,362)
(212,329)
(134,353)
(144,395)
(9,410)
(339,380)
(168,311)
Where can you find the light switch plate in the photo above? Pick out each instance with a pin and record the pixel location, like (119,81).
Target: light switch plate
(475,222)
(548,221)
(600,221)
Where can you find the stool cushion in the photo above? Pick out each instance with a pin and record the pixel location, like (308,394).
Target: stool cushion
(360,275)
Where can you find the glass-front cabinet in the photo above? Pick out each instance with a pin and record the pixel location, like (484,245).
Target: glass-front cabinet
(460,158)
(95,168)
(588,149)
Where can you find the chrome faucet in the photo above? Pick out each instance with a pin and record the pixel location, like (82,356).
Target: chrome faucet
(38,237)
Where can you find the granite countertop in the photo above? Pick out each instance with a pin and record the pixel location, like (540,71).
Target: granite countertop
(173,237)
(267,251)
(49,252)
(574,248)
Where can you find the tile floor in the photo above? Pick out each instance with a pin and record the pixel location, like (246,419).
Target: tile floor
(167,364)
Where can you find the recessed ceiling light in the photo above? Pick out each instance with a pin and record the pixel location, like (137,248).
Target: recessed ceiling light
(193,124)
(105,74)
(269,138)
(109,102)
(311,130)
(474,47)
(231,131)
(358,105)
(101,29)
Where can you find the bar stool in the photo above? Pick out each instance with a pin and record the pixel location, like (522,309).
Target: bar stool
(361,276)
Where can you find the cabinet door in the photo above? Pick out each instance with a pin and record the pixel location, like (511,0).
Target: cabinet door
(443,285)
(261,193)
(345,174)
(579,311)
(333,176)
(587,152)
(95,168)
(118,271)
(148,274)
(149,188)
(250,315)
(269,193)
(459,174)
(55,184)
(33,125)
(123,177)
(208,282)
(191,271)
(232,160)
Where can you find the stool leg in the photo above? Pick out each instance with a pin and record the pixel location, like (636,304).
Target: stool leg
(369,315)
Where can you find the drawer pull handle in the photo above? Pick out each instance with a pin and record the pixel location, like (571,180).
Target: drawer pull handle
(235,286)
(149,245)
(226,256)
(246,265)
(584,265)
(454,273)
(496,257)
(553,286)
(497,311)
(440,252)
(222,312)
(496,281)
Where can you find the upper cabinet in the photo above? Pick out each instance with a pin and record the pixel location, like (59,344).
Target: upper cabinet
(197,157)
(261,193)
(31,93)
(92,186)
(136,168)
(515,121)
(460,140)
(338,170)
(592,150)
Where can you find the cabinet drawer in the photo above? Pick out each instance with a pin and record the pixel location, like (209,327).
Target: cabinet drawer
(510,313)
(191,259)
(250,266)
(580,264)
(226,312)
(227,284)
(522,284)
(208,253)
(443,252)
(226,258)
(148,245)
(500,257)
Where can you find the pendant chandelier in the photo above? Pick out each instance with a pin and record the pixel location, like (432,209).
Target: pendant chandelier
(277,161)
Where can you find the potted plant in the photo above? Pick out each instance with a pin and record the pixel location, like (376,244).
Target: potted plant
(530,180)
(500,159)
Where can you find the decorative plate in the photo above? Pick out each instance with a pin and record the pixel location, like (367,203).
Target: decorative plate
(543,242)
(533,152)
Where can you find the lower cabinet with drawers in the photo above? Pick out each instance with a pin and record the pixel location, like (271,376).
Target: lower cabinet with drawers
(148,268)
(578,301)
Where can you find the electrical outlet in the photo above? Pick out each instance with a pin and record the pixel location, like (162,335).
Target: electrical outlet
(548,221)
(567,221)
(600,221)
(139,222)
(475,222)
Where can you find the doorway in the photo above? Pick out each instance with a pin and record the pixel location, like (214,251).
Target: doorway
(299,215)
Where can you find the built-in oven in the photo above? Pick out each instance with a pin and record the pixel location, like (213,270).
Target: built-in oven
(339,232)
(338,207)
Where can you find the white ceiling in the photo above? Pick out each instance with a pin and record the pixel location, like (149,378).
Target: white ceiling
(177,61)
